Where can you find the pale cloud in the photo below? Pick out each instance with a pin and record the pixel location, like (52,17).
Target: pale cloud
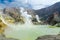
(39,7)
(6,2)
(20,3)
(2,6)
(46,2)
(14,4)
(36,4)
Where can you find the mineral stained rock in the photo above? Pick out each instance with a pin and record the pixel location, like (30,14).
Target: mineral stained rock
(2,37)
(14,13)
(49,37)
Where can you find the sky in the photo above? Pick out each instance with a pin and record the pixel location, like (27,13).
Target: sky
(34,4)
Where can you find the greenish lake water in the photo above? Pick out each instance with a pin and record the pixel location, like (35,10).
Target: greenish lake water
(30,32)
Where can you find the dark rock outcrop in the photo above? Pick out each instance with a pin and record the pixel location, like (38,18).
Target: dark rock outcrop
(2,37)
(49,37)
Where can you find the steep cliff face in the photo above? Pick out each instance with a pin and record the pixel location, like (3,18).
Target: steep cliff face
(14,13)
(47,14)
(11,11)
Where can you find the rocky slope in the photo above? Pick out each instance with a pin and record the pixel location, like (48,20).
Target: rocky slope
(2,37)
(49,37)
(47,14)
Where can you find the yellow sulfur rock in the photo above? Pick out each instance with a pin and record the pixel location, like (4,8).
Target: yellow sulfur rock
(9,20)
(2,27)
